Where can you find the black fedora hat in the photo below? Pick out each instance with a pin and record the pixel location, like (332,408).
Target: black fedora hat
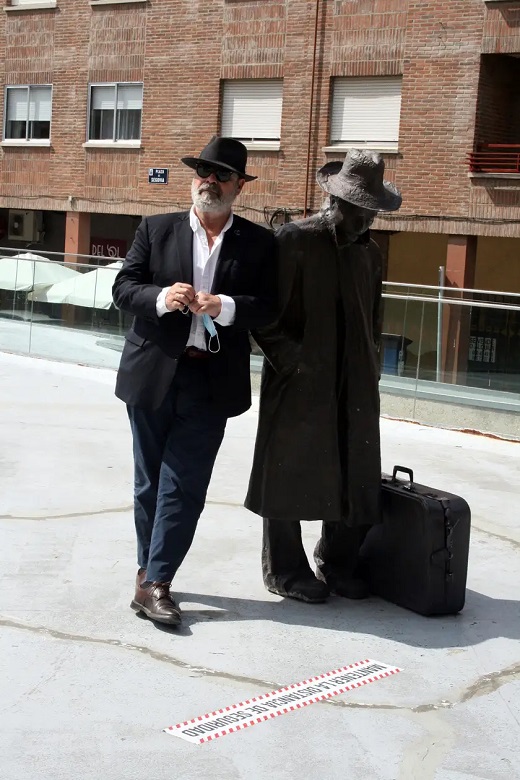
(359,180)
(223,153)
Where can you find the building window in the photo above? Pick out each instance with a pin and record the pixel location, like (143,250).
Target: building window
(366,112)
(252,111)
(32,2)
(28,113)
(115,112)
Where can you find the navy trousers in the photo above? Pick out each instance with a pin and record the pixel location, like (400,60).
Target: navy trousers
(175,448)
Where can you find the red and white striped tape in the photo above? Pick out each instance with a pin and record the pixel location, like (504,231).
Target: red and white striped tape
(287,699)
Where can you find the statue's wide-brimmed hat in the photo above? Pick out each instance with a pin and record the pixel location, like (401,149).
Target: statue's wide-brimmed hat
(223,153)
(359,180)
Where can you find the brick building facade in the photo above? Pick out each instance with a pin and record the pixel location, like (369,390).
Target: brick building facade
(456,62)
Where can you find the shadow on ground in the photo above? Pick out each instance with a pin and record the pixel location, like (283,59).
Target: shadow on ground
(483,618)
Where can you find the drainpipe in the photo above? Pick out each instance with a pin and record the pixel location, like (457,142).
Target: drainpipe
(311,108)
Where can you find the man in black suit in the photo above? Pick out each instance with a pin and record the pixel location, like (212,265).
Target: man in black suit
(196,283)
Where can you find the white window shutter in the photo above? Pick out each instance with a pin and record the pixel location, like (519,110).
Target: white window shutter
(40,104)
(130,97)
(366,110)
(17,104)
(252,109)
(103,98)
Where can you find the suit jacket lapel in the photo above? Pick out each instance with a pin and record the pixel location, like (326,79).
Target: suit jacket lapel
(184,242)
(228,252)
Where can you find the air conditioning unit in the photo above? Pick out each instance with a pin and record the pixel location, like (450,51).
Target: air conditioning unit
(24,225)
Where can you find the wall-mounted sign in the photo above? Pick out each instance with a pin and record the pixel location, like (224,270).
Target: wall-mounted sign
(107,247)
(158,175)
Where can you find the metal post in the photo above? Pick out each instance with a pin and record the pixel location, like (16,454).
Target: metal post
(442,279)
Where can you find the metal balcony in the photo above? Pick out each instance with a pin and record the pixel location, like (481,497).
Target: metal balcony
(495,158)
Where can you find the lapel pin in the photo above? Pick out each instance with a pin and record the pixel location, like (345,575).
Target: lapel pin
(237,232)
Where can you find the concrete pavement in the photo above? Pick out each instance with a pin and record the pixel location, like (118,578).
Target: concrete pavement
(86,687)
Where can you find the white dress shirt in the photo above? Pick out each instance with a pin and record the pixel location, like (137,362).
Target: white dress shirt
(204,265)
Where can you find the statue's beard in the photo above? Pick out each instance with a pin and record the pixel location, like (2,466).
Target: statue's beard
(210,199)
(349,227)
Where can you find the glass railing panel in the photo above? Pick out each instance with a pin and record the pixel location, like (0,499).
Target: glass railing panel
(455,339)
(78,335)
(408,346)
(15,321)
(493,355)
(435,341)
(61,310)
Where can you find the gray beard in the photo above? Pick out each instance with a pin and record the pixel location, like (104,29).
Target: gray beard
(211,203)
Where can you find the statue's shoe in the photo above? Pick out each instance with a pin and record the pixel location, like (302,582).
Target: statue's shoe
(308,589)
(348,587)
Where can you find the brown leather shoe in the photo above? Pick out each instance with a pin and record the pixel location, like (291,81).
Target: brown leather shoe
(156,603)
(140,578)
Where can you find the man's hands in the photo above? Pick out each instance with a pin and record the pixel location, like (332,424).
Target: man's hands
(181,295)
(205,303)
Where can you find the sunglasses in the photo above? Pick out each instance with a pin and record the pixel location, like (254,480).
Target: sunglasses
(221,174)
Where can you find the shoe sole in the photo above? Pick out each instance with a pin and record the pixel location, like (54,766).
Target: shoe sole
(170,621)
(306,599)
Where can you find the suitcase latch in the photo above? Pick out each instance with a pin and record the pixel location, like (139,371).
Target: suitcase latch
(449,529)
(442,559)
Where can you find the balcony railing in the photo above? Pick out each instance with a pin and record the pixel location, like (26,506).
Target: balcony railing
(495,158)
(440,345)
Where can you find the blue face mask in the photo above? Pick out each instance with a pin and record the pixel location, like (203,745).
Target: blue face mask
(210,327)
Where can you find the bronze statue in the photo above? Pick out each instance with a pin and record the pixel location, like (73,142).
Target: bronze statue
(317,454)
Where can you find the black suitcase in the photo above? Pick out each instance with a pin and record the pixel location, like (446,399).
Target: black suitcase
(418,556)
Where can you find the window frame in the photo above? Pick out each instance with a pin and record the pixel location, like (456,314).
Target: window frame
(115,2)
(26,141)
(30,5)
(113,142)
(380,146)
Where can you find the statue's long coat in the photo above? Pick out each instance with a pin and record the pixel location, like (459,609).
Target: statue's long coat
(317,454)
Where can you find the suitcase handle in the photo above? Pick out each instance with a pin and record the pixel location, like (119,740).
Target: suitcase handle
(405,471)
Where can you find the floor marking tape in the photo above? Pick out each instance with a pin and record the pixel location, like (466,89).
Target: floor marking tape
(247,713)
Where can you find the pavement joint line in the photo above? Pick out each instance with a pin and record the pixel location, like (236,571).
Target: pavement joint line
(119,510)
(506,539)
(70,515)
(482,686)
(109,511)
